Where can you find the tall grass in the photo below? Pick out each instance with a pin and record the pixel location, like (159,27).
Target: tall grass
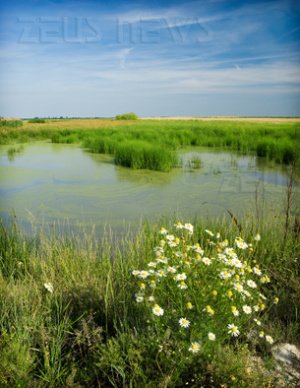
(276,142)
(89,331)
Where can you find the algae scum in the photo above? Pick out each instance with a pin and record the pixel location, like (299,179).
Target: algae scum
(44,182)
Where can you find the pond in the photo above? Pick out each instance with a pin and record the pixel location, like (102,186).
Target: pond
(44,183)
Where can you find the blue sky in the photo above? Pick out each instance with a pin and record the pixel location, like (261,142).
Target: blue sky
(101,58)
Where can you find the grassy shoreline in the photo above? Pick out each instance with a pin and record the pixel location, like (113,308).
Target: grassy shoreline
(69,315)
(135,143)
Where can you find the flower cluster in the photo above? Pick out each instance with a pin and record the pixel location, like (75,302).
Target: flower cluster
(212,290)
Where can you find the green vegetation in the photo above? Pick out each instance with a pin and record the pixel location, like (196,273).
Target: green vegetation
(74,314)
(127,116)
(37,120)
(11,123)
(276,142)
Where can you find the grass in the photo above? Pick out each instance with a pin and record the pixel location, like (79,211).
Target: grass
(278,142)
(89,329)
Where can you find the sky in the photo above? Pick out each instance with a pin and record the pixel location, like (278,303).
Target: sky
(77,58)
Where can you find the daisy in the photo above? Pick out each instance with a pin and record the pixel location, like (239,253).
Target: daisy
(189,228)
(258,322)
(157,310)
(257,237)
(247,309)
(257,271)
(139,299)
(183,322)
(251,284)
(235,311)
(206,261)
(163,230)
(180,277)
(189,306)
(49,287)
(195,347)
(210,233)
(171,269)
(233,330)
(182,286)
(269,339)
(144,274)
(178,225)
(211,336)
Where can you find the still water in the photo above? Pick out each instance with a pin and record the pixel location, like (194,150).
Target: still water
(46,183)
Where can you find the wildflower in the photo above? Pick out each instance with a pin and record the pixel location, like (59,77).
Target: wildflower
(225,275)
(171,269)
(180,276)
(269,339)
(183,322)
(265,279)
(262,306)
(152,264)
(178,225)
(182,286)
(223,244)
(238,287)
(163,231)
(151,298)
(240,243)
(139,299)
(189,306)
(209,310)
(247,309)
(233,330)
(229,294)
(144,274)
(161,273)
(198,249)
(170,237)
(195,347)
(235,311)
(211,336)
(257,271)
(189,228)
(251,284)
(214,292)
(142,286)
(135,272)
(256,308)
(157,310)
(261,334)
(209,232)
(152,283)
(276,300)
(206,261)
(257,237)
(49,287)
(258,322)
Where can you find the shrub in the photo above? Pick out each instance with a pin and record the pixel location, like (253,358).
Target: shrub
(203,296)
(11,123)
(36,120)
(127,116)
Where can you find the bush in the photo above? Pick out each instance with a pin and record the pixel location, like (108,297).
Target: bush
(127,116)
(36,120)
(11,123)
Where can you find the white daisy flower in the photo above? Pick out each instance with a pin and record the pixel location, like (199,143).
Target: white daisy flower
(183,322)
